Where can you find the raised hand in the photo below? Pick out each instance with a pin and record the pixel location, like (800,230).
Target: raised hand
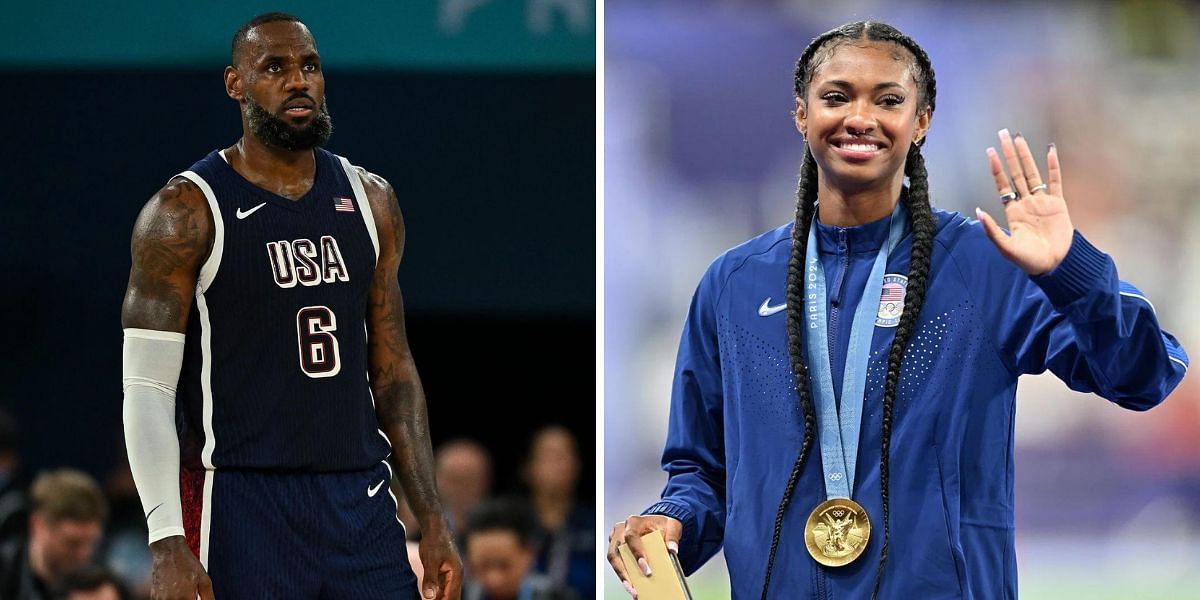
(1041,230)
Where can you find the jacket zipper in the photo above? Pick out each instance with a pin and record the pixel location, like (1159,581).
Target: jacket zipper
(835,309)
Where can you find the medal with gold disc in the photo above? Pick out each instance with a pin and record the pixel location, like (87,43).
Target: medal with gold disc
(838,530)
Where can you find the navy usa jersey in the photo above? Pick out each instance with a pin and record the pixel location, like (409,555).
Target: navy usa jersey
(275,364)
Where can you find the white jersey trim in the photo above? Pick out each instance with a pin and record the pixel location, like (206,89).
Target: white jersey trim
(1142,298)
(364,206)
(371,395)
(210,442)
(206,518)
(208,271)
(396,510)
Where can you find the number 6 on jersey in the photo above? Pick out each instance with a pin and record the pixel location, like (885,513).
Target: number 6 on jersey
(318,348)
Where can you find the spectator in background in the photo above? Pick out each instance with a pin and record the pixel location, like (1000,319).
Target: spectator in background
(14,499)
(499,540)
(92,582)
(66,519)
(124,549)
(463,473)
(566,549)
(464,478)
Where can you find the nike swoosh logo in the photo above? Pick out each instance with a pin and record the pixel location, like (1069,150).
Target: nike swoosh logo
(243,215)
(371,491)
(153,509)
(767,310)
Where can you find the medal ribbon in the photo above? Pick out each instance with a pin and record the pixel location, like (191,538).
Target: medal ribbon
(839,433)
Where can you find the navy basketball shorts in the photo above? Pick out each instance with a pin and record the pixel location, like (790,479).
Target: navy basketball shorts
(298,535)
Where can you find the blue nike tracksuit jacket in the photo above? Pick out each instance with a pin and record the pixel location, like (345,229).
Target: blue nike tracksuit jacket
(736,424)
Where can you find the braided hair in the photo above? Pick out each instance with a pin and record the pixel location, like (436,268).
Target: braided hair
(923,225)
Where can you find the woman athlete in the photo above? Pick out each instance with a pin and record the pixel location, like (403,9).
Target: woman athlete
(888,343)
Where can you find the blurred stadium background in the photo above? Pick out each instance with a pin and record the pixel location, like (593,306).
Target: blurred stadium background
(481,113)
(700,154)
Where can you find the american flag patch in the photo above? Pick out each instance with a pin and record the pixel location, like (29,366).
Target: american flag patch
(892,292)
(891,300)
(343,205)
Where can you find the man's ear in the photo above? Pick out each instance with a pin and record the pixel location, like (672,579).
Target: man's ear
(233,83)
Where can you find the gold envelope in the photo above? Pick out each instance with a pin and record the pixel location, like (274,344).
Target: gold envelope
(666,581)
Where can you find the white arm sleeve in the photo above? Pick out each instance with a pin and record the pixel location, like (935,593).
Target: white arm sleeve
(150,363)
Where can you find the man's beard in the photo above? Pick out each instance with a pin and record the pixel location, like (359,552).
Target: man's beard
(276,132)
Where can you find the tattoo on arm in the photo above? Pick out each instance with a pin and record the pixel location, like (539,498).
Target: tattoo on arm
(171,239)
(399,399)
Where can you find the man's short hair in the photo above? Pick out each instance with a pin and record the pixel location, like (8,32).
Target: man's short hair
(67,494)
(239,36)
(503,514)
(89,578)
(467,444)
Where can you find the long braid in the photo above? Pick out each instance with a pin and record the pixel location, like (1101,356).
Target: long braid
(923,226)
(806,194)
(806,202)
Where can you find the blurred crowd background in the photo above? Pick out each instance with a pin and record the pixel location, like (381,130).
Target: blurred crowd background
(480,113)
(65,532)
(701,154)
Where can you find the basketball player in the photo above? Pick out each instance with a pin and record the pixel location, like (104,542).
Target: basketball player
(264,297)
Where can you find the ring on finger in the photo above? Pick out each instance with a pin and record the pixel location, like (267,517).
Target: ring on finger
(1009,197)
(1038,188)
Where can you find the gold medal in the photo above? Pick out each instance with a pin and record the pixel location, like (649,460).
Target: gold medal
(837,532)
